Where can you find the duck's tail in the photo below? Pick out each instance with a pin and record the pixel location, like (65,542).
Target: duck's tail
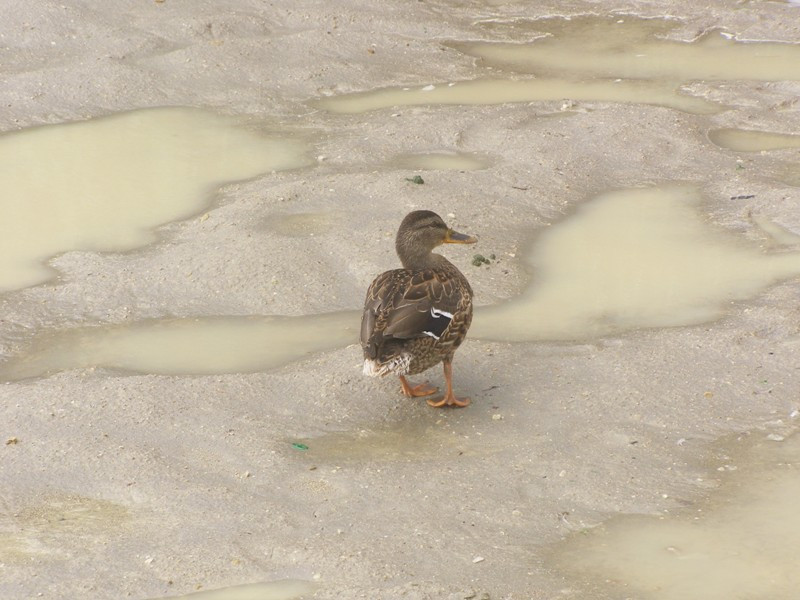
(397,365)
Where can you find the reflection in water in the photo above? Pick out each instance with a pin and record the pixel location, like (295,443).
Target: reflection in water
(742,544)
(105,183)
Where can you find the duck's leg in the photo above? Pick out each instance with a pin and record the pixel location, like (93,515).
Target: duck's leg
(449,398)
(416,391)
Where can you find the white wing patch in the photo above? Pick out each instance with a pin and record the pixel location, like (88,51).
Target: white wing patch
(437,314)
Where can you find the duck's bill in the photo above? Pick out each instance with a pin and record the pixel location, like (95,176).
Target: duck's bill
(454,237)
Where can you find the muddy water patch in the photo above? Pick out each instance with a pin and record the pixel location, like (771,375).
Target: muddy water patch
(58,527)
(403,442)
(287,589)
(624,59)
(630,259)
(630,47)
(751,140)
(626,259)
(185,346)
(306,224)
(502,91)
(778,234)
(104,184)
(747,140)
(742,542)
(790,175)
(443,161)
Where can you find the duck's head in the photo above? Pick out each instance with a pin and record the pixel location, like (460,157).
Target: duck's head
(420,232)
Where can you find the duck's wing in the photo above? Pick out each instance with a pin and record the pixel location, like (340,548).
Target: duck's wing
(404,305)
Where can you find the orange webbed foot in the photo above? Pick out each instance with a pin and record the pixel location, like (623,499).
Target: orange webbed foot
(417,391)
(450,400)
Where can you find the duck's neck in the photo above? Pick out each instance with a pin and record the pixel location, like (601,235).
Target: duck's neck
(416,258)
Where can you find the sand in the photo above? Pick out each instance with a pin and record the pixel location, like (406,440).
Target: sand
(118,485)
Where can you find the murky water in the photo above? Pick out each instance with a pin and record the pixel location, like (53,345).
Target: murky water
(741,543)
(745,140)
(630,259)
(40,530)
(501,91)
(105,183)
(790,175)
(302,224)
(407,441)
(443,161)
(288,589)
(629,47)
(624,260)
(186,346)
(778,234)
(621,59)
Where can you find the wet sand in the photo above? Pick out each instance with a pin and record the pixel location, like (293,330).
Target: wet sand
(166,482)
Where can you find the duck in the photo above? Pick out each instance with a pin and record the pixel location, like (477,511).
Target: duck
(416,317)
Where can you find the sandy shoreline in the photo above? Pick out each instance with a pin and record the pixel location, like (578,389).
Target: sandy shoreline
(144,485)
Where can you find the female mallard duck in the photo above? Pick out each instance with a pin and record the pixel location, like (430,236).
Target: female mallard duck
(416,317)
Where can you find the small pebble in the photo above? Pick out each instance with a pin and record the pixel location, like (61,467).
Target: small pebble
(478,559)
(775,437)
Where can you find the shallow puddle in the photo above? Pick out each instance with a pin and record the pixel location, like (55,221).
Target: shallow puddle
(406,441)
(53,527)
(630,47)
(288,589)
(778,234)
(105,184)
(631,259)
(745,140)
(302,224)
(740,544)
(627,259)
(443,161)
(790,175)
(593,59)
(501,91)
(186,346)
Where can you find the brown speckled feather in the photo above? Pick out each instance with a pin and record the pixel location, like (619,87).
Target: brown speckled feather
(414,319)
